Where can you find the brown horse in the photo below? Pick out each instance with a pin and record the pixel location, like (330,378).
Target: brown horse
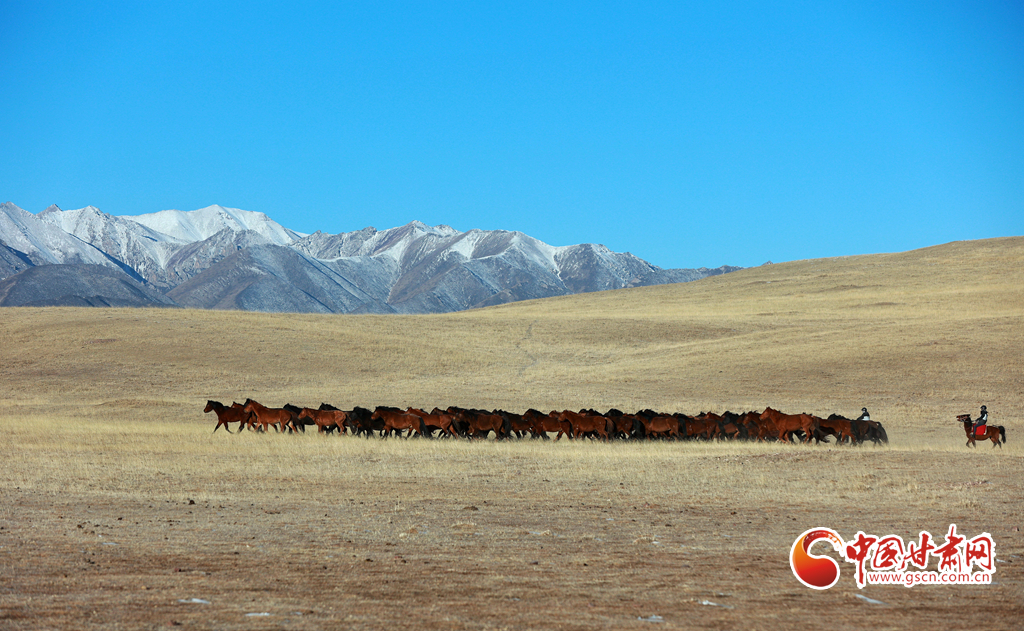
(985,432)
(835,425)
(435,420)
(749,422)
(661,426)
(786,424)
(398,421)
(541,424)
(481,424)
(704,426)
(521,426)
(326,421)
(280,418)
(225,415)
(585,423)
(871,430)
(627,426)
(731,426)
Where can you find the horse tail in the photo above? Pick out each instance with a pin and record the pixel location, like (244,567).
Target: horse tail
(1002,433)
(506,425)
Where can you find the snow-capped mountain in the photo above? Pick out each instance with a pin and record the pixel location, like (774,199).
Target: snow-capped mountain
(139,247)
(197,225)
(226,258)
(43,243)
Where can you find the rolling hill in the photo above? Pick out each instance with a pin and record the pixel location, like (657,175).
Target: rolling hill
(914,336)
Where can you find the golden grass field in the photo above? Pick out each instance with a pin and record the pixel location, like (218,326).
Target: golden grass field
(120,509)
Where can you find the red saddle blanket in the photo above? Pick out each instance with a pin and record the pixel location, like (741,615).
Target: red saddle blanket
(981,430)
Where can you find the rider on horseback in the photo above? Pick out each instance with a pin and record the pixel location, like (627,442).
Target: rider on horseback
(864,416)
(981,421)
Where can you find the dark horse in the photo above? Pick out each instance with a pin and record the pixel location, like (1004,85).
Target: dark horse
(225,415)
(991,432)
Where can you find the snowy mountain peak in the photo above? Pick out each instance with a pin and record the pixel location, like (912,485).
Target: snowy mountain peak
(198,225)
(43,241)
(440,230)
(218,257)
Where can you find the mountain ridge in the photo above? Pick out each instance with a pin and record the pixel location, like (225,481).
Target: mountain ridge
(228,258)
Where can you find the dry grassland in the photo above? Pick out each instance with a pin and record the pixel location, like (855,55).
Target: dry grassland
(119,508)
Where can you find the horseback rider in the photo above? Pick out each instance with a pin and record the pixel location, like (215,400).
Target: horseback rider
(981,421)
(864,416)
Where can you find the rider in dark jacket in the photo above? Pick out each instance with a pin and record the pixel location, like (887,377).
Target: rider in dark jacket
(864,416)
(982,419)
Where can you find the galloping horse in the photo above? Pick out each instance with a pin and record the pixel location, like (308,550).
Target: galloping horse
(842,428)
(661,426)
(585,423)
(786,424)
(520,425)
(435,420)
(704,426)
(541,424)
(481,425)
(627,426)
(225,415)
(271,416)
(731,426)
(326,421)
(398,421)
(867,430)
(990,432)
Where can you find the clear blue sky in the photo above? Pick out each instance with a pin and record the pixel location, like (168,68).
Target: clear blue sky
(690,134)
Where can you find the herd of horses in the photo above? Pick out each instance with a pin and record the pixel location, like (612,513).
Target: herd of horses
(455,422)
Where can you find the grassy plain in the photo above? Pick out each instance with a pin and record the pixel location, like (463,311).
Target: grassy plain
(119,508)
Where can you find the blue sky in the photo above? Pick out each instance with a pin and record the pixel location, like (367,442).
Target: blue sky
(690,134)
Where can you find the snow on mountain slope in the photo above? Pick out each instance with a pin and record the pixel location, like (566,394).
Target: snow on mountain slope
(218,257)
(143,249)
(43,242)
(198,225)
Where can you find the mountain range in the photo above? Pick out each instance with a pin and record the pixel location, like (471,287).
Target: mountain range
(227,258)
